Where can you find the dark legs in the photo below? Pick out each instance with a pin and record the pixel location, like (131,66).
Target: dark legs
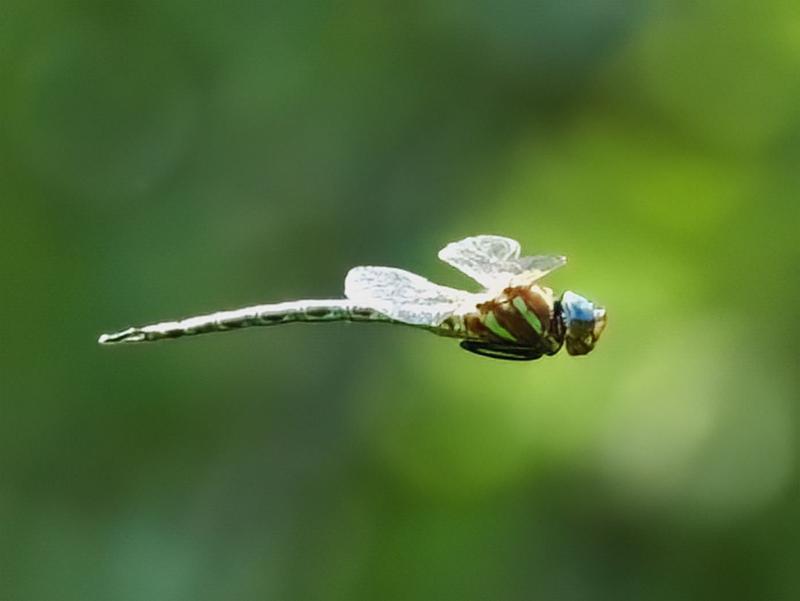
(496,351)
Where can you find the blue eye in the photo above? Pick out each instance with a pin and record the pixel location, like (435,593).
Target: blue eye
(576,308)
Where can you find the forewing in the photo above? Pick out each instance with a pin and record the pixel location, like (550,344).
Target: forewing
(402,295)
(535,268)
(494,261)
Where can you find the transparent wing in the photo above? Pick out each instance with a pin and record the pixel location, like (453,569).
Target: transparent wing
(535,268)
(403,295)
(494,261)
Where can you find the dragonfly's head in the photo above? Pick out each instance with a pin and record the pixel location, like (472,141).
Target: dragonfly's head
(583,322)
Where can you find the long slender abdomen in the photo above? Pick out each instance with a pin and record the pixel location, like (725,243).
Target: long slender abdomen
(258,315)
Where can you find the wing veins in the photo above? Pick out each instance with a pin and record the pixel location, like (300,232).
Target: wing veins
(495,262)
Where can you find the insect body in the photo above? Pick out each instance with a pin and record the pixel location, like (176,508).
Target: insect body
(521,322)
(511,318)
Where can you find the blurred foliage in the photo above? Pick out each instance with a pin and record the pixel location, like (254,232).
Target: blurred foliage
(165,158)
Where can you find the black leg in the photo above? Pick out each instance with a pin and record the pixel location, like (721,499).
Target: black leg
(509,353)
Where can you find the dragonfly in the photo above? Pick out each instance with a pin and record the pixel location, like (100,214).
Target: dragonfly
(512,317)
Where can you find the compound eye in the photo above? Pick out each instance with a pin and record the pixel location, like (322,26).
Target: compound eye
(600,321)
(576,307)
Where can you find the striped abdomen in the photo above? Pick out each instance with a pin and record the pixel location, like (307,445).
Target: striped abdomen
(259,315)
(519,317)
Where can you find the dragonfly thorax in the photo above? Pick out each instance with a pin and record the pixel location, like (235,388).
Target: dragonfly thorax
(519,318)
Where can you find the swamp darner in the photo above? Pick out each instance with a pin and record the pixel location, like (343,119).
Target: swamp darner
(512,317)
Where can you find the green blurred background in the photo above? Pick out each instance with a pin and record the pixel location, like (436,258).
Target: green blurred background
(163,158)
